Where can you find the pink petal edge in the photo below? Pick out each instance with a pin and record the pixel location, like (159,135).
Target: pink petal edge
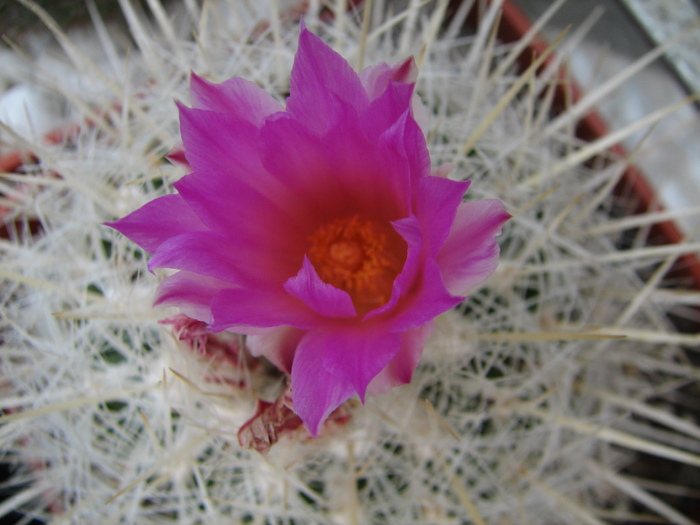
(236,95)
(400,369)
(323,298)
(319,77)
(315,392)
(355,353)
(470,253)
(157,221)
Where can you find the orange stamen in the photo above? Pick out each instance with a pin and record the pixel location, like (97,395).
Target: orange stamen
(360,256)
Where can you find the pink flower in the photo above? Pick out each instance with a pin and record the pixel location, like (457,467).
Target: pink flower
(317,228)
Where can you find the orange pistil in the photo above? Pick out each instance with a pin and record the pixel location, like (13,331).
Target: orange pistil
(360,256)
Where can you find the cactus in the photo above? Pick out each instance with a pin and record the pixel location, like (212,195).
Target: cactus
(533,399)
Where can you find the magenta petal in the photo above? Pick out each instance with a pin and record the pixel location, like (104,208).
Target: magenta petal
(375,78)
(470,253)
(356,353)
(158,221)
(406,71)
(260,307)
(236,95)
(435,206)
(400,369)
(380,78)
(204,253)
(278,345)
(177,156)
(418,293)
(220,142)
(296,157)
(315,392)
(407,138)
(238,209)
(320,76)
(264,233)
(372,168)
(410,230)
(340,173)
(428,299)
(321,297)
(193,293)
(387,110)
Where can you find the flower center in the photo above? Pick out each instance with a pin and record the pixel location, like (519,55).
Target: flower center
(360,256)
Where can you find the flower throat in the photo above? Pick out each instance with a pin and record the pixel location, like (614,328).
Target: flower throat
(360,256)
